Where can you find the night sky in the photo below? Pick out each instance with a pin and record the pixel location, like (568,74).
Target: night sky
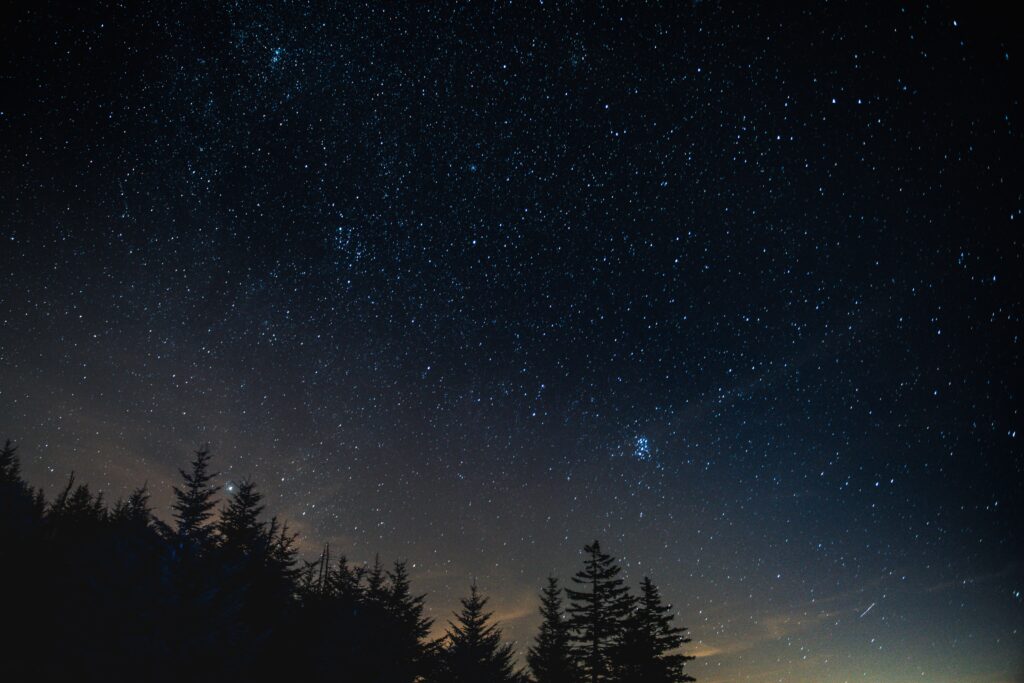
(736,291)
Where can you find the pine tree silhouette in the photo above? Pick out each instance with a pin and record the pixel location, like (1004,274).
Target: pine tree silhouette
(283,557)
(376,591)
(240,529)
(256,570)
(23,569)
(21,507)
(193,505)
(649,649)
(10,465)
(597,614)
(345,581)
(75,510)
(551,658)
(205,605)
(412,651)
(135,510)
(474,653)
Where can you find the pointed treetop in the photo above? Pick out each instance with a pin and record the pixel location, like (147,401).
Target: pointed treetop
(475,651)
(10,466)
(239,525)
(194,502)
(551,657)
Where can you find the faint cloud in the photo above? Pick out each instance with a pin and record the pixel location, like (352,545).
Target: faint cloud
(1006,571)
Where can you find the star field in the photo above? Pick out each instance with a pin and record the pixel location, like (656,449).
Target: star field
(735,290)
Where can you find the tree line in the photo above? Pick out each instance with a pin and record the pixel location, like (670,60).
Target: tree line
(92,592)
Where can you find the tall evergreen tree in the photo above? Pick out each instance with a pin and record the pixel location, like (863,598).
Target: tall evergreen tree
(649,652)
(345,581)
(376,591)
(256,567)
(551,658)
(205,612)
(412,649)
(597,613)
(10,465)
(474,653)
(19,505)
(193,504)
(283,555)
(240,529)
(21,512)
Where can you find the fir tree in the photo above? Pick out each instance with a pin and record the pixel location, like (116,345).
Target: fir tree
(649,649)
(10,466)
(597,614)
(376,592)
(134,511)
(412,650)
(206,610)
(240,529)
(17,499)
(474,653)
(193,504)
(21,508)
(345,582)
(551,658)
(75,509)
(283,555)
(257,563)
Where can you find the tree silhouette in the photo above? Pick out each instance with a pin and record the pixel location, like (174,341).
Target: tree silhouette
(21,509)
(376,592)
(206,601)
(412,651)
(194,503)
(597,615)
(75,509)
(22,569)
(10,466)
(135,510)
(240,529)
(345,581)
(283,557)
(474,653)
(551,658)
(649,652)
(256,566)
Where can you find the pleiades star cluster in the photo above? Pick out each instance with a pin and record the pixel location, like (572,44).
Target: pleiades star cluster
(733,288)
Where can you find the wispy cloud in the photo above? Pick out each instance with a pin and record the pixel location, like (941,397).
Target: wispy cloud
(766,628)
(1006,571)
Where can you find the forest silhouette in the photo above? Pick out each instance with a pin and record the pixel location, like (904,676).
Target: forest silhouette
(219,593)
